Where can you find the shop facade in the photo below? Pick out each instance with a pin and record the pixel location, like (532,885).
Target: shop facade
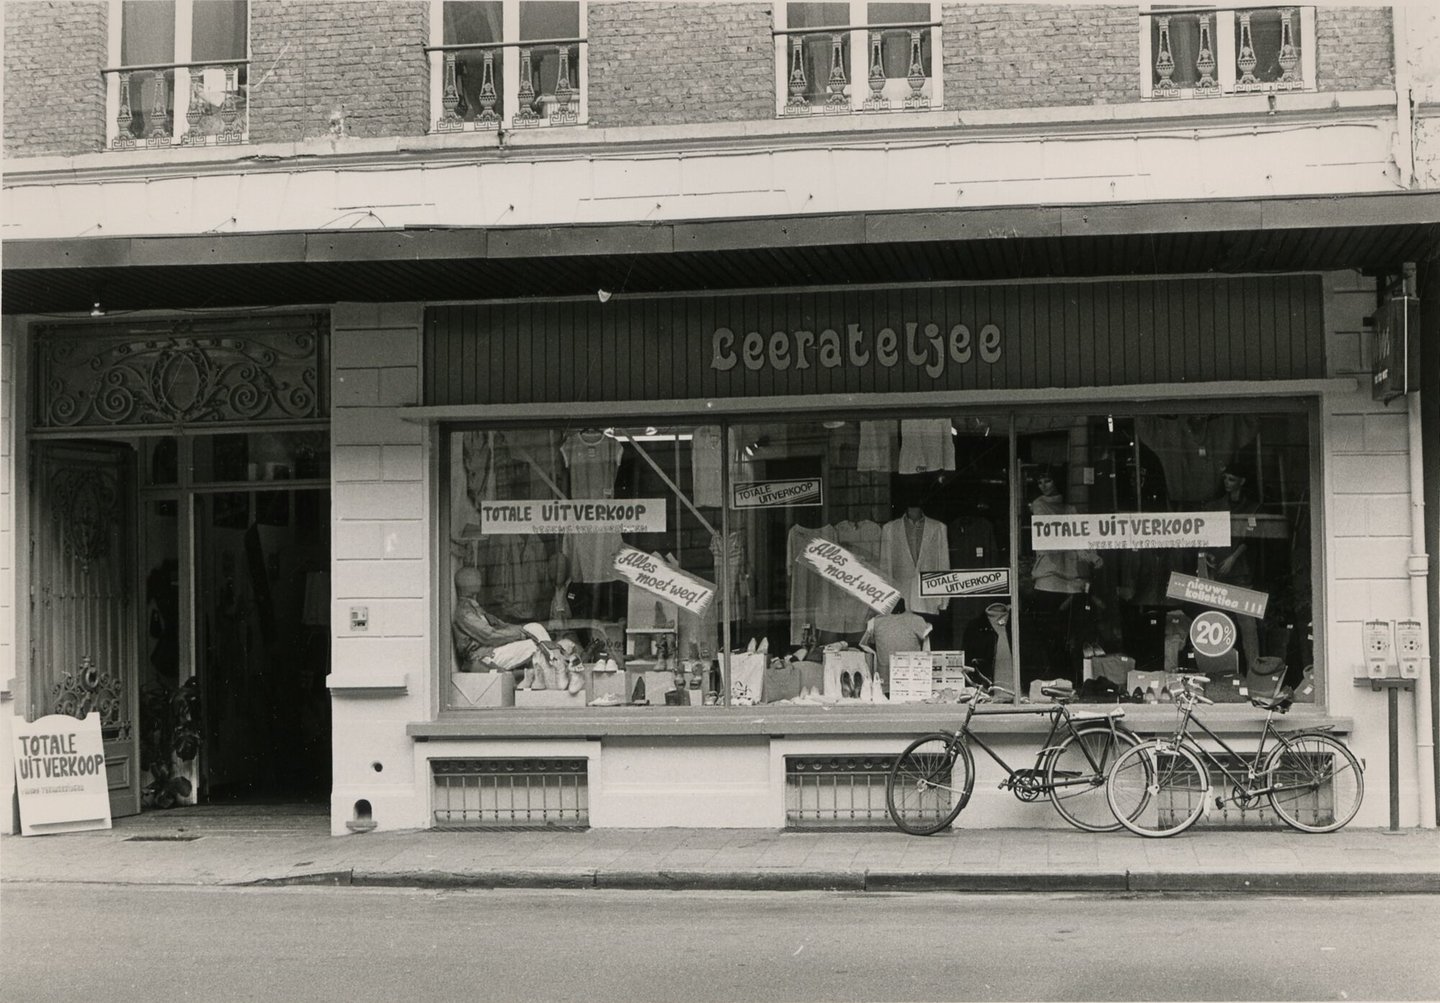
(740,507)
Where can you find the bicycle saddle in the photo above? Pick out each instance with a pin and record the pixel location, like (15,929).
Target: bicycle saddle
(1064,694)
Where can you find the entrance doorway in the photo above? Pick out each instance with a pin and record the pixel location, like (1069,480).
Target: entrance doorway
(235,555)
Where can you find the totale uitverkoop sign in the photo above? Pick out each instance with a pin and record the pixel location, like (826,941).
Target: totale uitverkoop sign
(60,775)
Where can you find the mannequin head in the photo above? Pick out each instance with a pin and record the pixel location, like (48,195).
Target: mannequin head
(468,581)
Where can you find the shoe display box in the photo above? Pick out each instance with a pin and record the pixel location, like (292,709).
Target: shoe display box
(482,689)
(549,698)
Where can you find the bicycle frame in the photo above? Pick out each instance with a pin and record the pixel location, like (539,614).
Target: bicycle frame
(1056,712)
(1246,784)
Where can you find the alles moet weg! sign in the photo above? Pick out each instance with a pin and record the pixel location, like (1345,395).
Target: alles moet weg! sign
(648,572)
(838,566)
(60,774)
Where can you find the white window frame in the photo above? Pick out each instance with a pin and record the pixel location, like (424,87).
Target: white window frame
(184,25)
(858,71)
(1224,42)
(509,68)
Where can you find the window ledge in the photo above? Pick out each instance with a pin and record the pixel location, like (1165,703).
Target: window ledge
(774,722)
(360,682)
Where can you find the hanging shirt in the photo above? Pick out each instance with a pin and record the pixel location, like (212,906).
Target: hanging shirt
(877,446)
(706,456)
(593,460)
(926,445)
(807,588)
(1194,449)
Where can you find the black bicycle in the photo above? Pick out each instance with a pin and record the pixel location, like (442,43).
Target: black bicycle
(931,781)
(1162,787)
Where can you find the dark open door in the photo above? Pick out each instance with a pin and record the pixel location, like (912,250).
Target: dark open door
(83,615)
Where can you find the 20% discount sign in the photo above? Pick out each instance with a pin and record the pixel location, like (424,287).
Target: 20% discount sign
(1212,633)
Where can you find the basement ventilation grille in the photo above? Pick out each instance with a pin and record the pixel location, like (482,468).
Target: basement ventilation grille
(508,794)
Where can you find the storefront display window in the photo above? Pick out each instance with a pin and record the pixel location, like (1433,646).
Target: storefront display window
(864,560)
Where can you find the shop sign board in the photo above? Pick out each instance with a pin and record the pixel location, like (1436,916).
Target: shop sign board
(968,582)
(1212,633)
(779,494)
(840,567)
(578,515)
(1130,531)
(846,341)
(1217,595)
(1396,369)
(654,575)
(60,774)
(912,676)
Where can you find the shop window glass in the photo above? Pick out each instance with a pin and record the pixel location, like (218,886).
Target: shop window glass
(1098,596)
(261,456)
(583,563)
(864,560)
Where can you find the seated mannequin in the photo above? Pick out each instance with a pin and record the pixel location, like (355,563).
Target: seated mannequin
(484,643)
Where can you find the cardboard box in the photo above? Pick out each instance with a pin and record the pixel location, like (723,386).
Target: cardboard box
(657,684)
(602,684)
(482,689)
(549,698)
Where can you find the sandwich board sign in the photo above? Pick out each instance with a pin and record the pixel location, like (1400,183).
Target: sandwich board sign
(60,774)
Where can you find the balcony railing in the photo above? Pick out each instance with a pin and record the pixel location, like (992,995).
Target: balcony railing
(216,112)
(1209,51)
(472,90)
(819,61)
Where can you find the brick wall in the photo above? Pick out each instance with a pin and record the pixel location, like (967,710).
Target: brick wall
(1020,55)
(1354,48)
(360,60)
(669,63)
(54,92)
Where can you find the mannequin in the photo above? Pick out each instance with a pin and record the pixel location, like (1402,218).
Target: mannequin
(911,544)
(1058,616)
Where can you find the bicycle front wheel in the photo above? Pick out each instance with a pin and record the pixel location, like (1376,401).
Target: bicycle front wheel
(929,783)
(1075,775)
(1317,782)
(1157,789)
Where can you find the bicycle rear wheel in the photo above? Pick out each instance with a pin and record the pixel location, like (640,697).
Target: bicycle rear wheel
(1075,774)
(1319,779)
(1157,789)
(929,783)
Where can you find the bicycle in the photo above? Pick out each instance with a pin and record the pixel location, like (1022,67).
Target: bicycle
(930,782)
(1161,787)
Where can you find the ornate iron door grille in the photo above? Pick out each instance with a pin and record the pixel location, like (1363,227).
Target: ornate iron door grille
(836,792)
(181,373)
(510,793)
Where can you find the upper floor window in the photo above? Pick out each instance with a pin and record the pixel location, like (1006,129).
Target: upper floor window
(1207,51)
(857,56)
(196,49)
(507,63)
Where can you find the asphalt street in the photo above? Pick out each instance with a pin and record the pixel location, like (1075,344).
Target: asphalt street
(75,941)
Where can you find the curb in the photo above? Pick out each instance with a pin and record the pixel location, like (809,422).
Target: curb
(1099,882)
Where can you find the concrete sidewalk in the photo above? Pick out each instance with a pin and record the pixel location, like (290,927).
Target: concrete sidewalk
(178,849)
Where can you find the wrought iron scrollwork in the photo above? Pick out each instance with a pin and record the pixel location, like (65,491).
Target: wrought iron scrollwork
(86,689)
(177,378)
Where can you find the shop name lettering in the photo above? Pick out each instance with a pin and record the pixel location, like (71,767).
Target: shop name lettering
(45,757)
(645,572)
(931,348)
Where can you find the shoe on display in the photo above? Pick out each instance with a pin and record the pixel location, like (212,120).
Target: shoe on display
(529,681)
(844,684)
(637,695)
(865,693)
(752,647)
(611,665)
(577,682)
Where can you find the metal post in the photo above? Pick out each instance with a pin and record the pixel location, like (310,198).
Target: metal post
(1392,698)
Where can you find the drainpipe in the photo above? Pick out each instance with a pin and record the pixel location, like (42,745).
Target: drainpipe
(1419,609)
(1404,151)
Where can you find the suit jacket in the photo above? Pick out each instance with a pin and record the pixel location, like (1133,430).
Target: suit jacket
(903,570)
